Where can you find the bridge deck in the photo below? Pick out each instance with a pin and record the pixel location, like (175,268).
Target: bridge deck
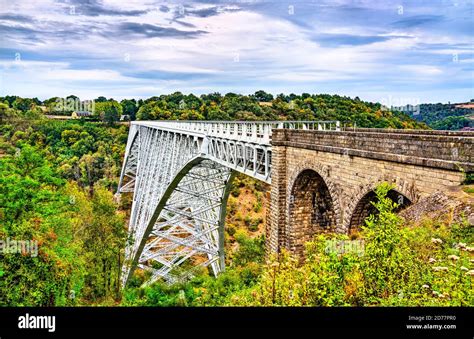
(452,150)
(249,131)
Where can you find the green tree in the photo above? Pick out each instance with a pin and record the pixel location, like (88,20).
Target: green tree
(109,111)
(129,107)
(23,104)
(33,209)
(4,111)
(103,240)
(100,99)
(263,96)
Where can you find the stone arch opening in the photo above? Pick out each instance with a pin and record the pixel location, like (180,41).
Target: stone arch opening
(364,207)
(311,209)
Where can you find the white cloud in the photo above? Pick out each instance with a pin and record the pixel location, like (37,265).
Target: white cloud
(421,70)
(237,50)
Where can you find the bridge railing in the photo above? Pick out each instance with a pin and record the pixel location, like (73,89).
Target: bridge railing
(249,131)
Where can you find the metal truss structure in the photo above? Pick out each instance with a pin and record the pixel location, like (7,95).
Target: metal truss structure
(180,174)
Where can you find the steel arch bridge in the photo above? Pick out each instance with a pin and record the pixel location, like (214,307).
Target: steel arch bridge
(180,174)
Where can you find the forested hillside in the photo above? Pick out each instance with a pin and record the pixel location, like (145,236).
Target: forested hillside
(57,185)
(259,106)
(444,116)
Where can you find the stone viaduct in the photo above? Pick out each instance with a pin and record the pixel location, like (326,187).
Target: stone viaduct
(324,181)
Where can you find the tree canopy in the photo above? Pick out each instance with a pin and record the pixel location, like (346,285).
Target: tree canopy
(231,106)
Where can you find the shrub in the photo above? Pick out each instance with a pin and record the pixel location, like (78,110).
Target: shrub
(257,206)
(254,223)
(389,266)
(250,249)
(231,230)
(235,191)
(247,220)
(469,178)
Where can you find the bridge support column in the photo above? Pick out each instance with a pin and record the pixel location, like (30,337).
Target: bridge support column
(277,212)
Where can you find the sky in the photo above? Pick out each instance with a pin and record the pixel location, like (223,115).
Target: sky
(393,52)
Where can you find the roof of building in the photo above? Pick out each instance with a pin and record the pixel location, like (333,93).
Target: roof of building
(83,113)
(469,105)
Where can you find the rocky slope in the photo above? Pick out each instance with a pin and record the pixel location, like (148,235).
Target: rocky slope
(449,207)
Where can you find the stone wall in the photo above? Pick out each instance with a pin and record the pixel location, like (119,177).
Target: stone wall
(351,164)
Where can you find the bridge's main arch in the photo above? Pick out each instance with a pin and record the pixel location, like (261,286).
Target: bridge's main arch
(180,174)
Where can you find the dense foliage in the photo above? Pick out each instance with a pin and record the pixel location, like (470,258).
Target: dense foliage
(385,271)
(54,190)
(231,106)
(262,106)
(444,116)
(258,106)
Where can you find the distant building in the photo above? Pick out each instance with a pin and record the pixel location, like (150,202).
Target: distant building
(468,105)
(81,114)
